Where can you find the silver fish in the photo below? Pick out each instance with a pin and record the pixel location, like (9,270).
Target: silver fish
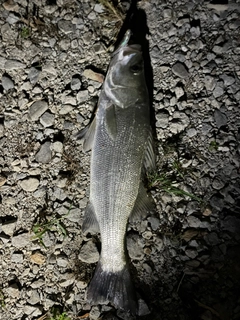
(120,137)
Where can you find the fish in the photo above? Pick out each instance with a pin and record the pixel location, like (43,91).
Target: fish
(121,143)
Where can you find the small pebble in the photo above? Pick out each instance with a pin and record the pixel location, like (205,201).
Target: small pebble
(180,70)
(37,109)
(21,240)
(89,253)
(44,155)
(7,83)
(14,65)
(47,119)
(29,184)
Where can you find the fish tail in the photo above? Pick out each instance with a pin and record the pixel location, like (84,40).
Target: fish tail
(114,287)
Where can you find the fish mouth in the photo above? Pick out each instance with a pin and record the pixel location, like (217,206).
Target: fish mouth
(126,47)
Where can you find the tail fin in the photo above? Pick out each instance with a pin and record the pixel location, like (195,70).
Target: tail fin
(113,287)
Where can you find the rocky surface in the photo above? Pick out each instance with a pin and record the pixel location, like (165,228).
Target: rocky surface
(184,259)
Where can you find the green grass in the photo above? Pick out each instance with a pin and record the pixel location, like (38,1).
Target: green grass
(25,32)
(57,314)
(62,316)
(213,145)
(39,229)
(166,183)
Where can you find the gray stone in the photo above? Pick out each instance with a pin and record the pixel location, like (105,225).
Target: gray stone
(34,297)
(57,146)
(82,96)
(218,183)
(135,248)
(193,222)
(37,109)
(21,240)
(218,91)
(32,311)
(74,215)
(228,80)
(64,44)
(99,8)
(217,49)
(44,155)
(29,184)
(33,75)
(59,194)
(162,120)
(220,118)
(17,258)
(155,223)
(95,313)
(191,132)
(50,9)
(75,84)
(180,70)
(12,18)
(179,123)
(47,119)
(50,69)
(67,283)
(65,109)
(13,290)
(8,227)
(65,26)
(14,65)
(191,253)
(92,15)
(210,83)
(2,62)
(89,253)
(179,92)
(62,261)
(7,83)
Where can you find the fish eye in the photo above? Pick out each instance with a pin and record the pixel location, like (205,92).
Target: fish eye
(136,68)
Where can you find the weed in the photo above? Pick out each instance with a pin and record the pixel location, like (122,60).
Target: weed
(110,6)
(165,183)
(25,32)
(213,145)
(58,315)
(62,316)
(39,229)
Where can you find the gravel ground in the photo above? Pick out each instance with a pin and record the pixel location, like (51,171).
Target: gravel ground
(185,258)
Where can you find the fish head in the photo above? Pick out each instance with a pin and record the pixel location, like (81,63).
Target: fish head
(125,81)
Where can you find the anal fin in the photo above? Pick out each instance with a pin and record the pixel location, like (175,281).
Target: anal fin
(90,223)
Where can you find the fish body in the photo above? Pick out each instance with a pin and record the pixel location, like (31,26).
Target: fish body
(121,142)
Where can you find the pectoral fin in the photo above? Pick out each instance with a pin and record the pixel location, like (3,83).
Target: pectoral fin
(90,223)
(143,205)
(89,136)
(111,122)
